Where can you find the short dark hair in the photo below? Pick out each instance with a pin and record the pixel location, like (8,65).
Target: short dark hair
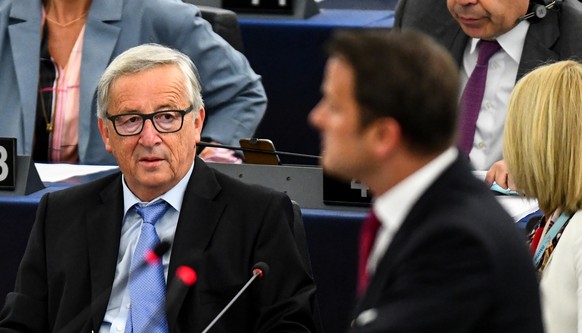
(406,76)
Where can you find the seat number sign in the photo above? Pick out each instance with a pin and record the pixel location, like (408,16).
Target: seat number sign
(7,163)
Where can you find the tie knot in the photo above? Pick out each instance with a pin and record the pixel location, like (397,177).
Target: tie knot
(152,213)
(487,48)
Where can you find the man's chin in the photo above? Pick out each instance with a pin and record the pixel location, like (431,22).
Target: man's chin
(153,179)
(477,31)
(335,172)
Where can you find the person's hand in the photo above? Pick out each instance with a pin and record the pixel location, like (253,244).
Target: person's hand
(499,174)
(220,155)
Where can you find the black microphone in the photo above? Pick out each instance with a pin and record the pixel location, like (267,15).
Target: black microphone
(184,279)
(254,150)
(152,257)
(259,270)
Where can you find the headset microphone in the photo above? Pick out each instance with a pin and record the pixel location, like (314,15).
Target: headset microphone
(539,9)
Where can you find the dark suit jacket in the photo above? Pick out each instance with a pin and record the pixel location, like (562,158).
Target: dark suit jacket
(457,264)
(556,37)
(224,228)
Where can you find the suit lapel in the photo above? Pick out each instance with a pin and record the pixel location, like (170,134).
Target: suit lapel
(540,39)
(457,44)
(385,270)
(199,216)
(100,38)
(103,235)
(396,251)
(25,26)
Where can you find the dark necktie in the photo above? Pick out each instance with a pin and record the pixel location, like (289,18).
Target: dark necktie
(370,228)
(473,95)
(147,285)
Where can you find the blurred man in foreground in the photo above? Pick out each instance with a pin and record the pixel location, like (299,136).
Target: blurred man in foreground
(438,253)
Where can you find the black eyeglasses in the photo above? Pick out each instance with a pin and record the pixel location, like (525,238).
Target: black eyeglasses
(167,121)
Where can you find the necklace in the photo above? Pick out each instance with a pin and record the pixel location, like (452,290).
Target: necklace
(49,124)
(64,25)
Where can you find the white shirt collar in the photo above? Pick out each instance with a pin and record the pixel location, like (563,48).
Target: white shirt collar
(393,206)
(174,196)
(511,42)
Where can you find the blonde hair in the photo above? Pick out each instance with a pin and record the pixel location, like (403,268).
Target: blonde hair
(543,136)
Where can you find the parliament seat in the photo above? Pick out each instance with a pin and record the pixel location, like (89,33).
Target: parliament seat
(224,22)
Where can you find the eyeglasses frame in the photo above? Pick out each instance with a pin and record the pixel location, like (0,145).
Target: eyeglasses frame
(149,116)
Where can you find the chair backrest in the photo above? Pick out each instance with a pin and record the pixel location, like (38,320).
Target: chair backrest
(301,240)
(300,237)
(224,22)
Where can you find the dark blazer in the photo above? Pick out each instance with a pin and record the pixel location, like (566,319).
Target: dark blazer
(556,37)
(224,228)
(457,264)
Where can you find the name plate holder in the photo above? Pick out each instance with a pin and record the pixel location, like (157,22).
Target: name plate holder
(345,193)
(18,175)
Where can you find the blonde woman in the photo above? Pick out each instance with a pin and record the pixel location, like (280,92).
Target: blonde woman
(543,151)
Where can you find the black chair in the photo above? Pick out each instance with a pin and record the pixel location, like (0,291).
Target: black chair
(224,22)
(301,240)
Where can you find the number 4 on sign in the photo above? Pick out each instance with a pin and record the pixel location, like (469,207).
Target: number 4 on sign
(357,185)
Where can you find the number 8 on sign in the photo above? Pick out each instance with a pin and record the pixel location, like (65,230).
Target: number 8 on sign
(3,166)
(7,163)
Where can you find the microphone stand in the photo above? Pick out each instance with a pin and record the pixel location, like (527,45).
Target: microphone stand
(275,152)
(259,269)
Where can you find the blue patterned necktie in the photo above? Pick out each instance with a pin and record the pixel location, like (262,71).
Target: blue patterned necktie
(147,285)
(473,95)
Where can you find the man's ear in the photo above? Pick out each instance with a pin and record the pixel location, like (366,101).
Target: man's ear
(199,123)
(385,135)
(104,134)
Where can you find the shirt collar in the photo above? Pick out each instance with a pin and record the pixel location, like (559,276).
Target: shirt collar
(511,42)
(393,206)
(174,196)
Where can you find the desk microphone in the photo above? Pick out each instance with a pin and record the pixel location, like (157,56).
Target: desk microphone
(184,279)
(152,257)
(259,270)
